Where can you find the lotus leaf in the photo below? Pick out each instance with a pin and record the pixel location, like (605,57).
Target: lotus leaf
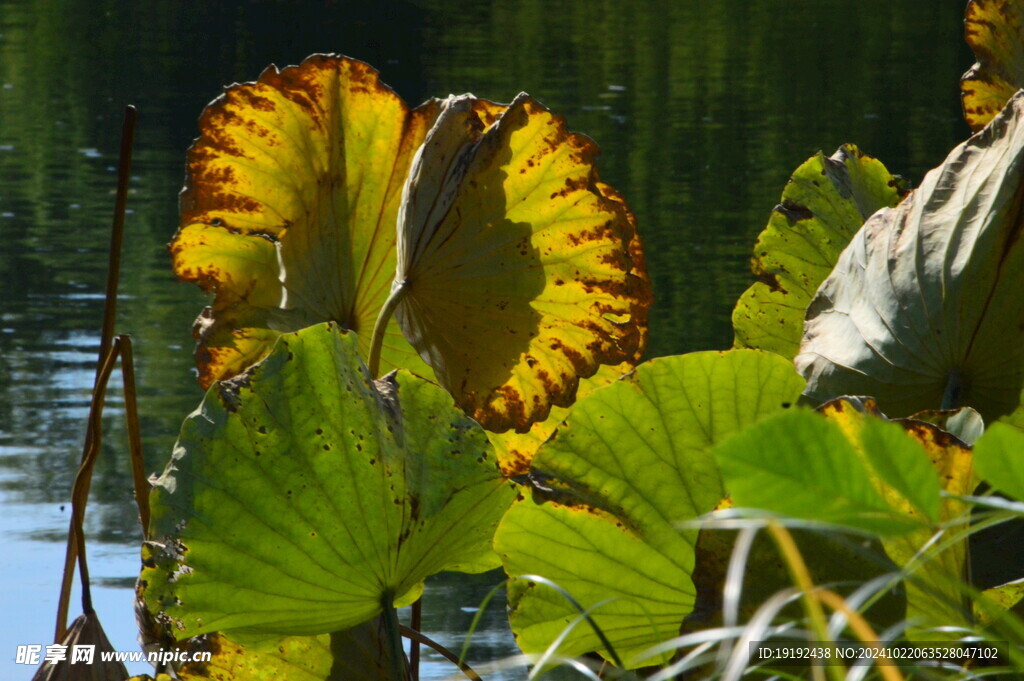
(994,31)
(611,485)
(289,207)
(519,272)
(922,310)
(303,497)
(823,205)
(515,450)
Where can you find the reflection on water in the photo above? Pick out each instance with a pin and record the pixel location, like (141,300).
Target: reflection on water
(702,110)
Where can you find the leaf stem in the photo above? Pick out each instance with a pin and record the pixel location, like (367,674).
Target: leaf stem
(398,291)
(419,637)
(80,497)
(124,172)
(105,356)
(131,412)
(954,388)
(394,632)
(414,644)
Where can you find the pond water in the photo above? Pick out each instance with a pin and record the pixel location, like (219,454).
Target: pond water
(702,109)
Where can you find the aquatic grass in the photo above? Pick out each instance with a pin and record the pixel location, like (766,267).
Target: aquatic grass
(477,617)
(583,616)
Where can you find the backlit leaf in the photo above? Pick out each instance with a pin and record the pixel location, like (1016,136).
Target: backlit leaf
(923,308)
(515,450)
(611,486)
(519,272)
(994,31)
(289,207)
(302,495)
(823,205)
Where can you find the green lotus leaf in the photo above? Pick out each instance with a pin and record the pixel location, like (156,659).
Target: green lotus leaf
(611,485)
(302,497)
(519,272)
(922,310)
(823,205)
(289,207)
(995,31)
(998,461)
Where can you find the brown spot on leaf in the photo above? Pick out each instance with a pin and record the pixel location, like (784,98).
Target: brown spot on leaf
(793,212)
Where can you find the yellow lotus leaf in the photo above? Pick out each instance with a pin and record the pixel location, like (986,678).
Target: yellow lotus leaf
(995,31)
(519,272)
(289,207)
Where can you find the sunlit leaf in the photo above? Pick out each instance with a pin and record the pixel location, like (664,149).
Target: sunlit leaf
(357,654)
(610,487)
(994,31)
(302,496)
(519,272)
(289,207)
(923,308)
(823,205)
(515,450)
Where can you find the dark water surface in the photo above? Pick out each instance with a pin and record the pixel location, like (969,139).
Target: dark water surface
(702,109)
